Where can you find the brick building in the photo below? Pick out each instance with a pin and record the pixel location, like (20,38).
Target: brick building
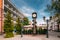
(1,15)
(6,5)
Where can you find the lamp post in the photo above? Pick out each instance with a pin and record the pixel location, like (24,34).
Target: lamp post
(47,20)
(47,29)
(21,28)
(34,16)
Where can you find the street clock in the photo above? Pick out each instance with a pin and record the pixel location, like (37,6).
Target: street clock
(34,15)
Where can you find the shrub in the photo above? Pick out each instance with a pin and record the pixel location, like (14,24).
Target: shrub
(41,31)
(8,25)
(25,31)
(18,26)
(30,31)
(8,35)
(38,31)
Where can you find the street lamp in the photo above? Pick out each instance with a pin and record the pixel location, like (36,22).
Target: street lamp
(47,20)
(34,16)
(21,28)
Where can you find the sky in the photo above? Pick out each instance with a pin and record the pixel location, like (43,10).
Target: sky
(27,7)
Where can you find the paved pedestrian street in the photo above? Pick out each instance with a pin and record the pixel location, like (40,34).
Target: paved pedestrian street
(30,37)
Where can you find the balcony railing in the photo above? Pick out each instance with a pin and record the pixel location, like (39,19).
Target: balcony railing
(16,12)
(11,9)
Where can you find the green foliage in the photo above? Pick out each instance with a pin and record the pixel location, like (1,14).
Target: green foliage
(27,31)
(18,26)
(41,31)
(8,25)
(38,31)
(8,35)
(26,21)
(30,31)
(55,7)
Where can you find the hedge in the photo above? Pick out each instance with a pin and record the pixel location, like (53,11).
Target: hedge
(38,31)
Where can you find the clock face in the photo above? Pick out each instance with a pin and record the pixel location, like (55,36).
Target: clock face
(34,15)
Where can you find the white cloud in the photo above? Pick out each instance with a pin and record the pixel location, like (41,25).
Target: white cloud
(27,11)
(40,21)
(47,17)
(28,15)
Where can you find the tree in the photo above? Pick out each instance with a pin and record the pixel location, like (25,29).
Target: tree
(26,21)
(18,26)
(55,7)
(8,25)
